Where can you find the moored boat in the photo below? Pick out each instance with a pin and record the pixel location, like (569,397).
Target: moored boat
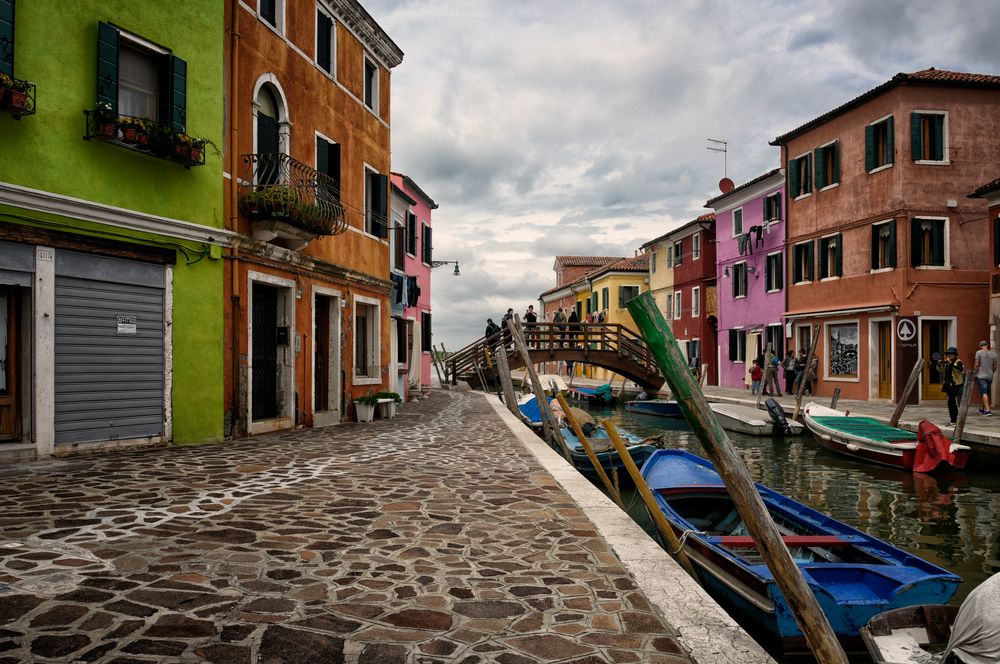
(599,394)
(853,575)
(640,449)
(868,439)
(660,407)
(752,421)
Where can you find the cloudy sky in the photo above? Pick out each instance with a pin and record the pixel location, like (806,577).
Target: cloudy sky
(546,127)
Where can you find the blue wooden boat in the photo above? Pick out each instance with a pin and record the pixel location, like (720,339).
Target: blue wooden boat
(599,394)
(853,575)
(638,448)
(660,407)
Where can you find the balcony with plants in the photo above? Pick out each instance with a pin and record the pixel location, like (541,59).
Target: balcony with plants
(145,136)
(284,199)
(17,96)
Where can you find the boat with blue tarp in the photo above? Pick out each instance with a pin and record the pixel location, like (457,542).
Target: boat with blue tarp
(659,407)
(853,575)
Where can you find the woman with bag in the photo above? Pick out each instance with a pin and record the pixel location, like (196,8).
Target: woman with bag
(954,380)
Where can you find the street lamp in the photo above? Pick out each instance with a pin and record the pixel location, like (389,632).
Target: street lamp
(440,263)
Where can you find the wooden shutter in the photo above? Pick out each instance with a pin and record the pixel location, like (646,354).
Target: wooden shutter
(937,241)
(820,170)
(797,264)
(937,128)
(793,178)
(380,205)
(839,254)
(767,210)
(7,37)
(869,148)
(107,65)
(411,233)
(323,26)
(425,332)
(178,94)
(807,174)
(916,137)
(876,232)
(428,246)
(779,272)
(892,243)
(733,342)
(777,206)
(621,297)
(605,298)
(834,176)
(916,246)
(890,141)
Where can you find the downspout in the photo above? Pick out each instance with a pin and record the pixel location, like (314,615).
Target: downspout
(234,59)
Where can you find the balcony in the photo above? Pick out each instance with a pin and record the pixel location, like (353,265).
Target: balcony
(17,97)
(285,199)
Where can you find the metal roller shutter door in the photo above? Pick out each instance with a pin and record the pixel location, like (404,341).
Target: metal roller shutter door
(109,382)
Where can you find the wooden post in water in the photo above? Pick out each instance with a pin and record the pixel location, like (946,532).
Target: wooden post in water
(836,398)
(767,381)
(612,490)
(664,528)
(549,423)
(808,614)
(963,406)
(435,359)
(807,371)
(503,368)
(911,382)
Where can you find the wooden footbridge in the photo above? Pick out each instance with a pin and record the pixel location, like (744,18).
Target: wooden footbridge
(610,346)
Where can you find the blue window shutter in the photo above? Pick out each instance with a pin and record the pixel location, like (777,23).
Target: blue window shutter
(178,94)
(869,148)
(916,137)
(107,65)
(892,243)
(890,141)
(7,37)
(820,168)
(793,178)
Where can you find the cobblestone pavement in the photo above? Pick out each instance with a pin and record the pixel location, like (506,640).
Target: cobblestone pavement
(433,537)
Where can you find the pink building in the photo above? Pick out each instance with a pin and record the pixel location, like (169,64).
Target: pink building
(411,276)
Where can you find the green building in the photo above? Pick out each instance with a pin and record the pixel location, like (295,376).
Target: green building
(111,224)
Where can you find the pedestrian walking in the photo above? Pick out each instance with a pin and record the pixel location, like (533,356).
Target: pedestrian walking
(954,380)
(985,366)
(491,328)
(788,364)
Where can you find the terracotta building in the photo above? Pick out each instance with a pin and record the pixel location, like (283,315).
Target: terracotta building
(990,192)
(886,253)
(307,161)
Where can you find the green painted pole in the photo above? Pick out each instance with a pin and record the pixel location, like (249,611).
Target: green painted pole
(808,614)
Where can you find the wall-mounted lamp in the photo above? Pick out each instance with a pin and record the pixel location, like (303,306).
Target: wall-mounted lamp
(440,263)
(751,269)
(725,272)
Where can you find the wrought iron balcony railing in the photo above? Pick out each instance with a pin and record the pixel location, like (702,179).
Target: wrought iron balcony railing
(276,187)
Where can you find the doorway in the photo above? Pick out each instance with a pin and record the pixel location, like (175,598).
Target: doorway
(10,416)
(326,359)
(265,352)
(934,336)
(884,359)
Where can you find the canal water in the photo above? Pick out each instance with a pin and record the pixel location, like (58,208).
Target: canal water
(950,520)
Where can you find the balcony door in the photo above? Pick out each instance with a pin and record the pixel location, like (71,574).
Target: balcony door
(268,136)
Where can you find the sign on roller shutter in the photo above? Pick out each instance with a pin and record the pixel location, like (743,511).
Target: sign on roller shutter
(126,325)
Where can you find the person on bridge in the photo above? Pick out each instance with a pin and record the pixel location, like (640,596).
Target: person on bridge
(574,327)
(530,318)
(559,318)
(491,328)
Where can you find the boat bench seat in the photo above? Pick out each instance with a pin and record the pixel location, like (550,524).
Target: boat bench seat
(789,540)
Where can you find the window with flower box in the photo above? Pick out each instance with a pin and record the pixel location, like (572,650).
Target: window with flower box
(17,96)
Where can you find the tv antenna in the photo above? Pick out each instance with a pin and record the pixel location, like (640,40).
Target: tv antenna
(724,150)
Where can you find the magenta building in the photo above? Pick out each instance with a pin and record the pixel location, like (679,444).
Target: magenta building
(412,249)
(750,268)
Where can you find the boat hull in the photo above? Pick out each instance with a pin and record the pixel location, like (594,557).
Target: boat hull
(896,637)
(658,407)
(749,421)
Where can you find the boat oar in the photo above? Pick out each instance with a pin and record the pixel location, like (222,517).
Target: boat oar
(803,603)
(664,528)
(612,490)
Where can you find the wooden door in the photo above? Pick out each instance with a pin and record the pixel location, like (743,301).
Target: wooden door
(885,359)
(10,420)
(933,342)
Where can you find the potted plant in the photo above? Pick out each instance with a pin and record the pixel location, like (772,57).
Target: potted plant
(365,408)
(387,403)
(6,82)
(18,93)
(195,150)
(105,120)
(182,146)
(131,128)
(161,141)
(142,135)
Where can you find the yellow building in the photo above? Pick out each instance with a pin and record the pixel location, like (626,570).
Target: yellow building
(661,273)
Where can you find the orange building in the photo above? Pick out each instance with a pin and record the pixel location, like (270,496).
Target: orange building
(886,254)
(307,161)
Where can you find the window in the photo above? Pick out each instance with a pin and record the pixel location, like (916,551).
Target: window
(884,245)
(328,163)
(830,256)
(774,337)
(800,176)
(828,165)
(694,353)
(626,293)
(737,346)
(928,133)
(696,246)
(605,298)
(426,245)
(879,144)
(842,350)
(802,260)
(376,203)
(772,207)
(371,85)
(367,325)
(695,302)
(670,256)
(928,242)
(677,305)
(425,332)
(652,262)
(139,79)
(668,311)
(737,222)
(326,42)
(739,280)
(411,233)
(774,278)
(677,251)
(271,11)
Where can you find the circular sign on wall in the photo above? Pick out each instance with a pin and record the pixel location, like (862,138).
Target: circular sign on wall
(906,330)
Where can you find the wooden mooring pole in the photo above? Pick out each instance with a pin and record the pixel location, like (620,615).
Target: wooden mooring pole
(911,382)
(963,406)
(503,368)
(808,614)
(836,397)
(807,372)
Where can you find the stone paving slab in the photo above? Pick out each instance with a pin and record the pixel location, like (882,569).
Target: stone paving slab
(433,537)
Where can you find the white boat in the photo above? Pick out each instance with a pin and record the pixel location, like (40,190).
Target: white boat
(752,421)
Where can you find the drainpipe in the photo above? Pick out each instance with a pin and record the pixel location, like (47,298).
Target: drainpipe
(234,59)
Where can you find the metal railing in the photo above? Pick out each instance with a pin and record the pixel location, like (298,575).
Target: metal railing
(275,187)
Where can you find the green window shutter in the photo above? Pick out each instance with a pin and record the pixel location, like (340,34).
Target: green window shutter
(915,245)
(428,245)
(824,249)
(796,264)
(869,148)
(793,178)
(593,298)
(807,179)
(7,37)
(766,212)
(590,308)
(178,94)
(779,272)
(107,65)
(621,297)
(605,298)
(733,343)
(382,206)
(937,127)
(323,25)
(875,244)
(835,175)
(892,243)
(820,168)
(916,137)
(411,233)
(322,155)
(777,206)
(890,141)
(839,252)
(937,241)
(767,271)
(810,260)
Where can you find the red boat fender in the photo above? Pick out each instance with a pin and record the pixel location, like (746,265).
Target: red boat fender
(933,448)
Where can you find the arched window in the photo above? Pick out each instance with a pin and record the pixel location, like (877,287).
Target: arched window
(270,131)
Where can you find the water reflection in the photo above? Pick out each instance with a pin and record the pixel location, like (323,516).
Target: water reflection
(949,520)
